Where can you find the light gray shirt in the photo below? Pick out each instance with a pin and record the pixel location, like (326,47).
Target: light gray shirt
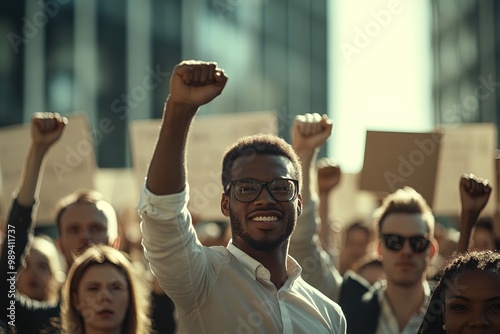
(387,322)
(222,289)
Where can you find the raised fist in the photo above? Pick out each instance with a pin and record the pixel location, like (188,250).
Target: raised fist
(310,131)
(47,128)
(194,83)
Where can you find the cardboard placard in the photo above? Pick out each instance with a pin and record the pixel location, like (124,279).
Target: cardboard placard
(397,159)
(432,163)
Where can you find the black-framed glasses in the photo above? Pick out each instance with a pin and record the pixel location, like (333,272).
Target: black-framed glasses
(247,190)
(395,242)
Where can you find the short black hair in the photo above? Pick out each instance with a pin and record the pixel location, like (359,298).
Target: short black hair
(257,145)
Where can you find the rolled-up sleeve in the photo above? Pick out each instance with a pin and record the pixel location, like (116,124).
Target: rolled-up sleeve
(176,257)
(317,267)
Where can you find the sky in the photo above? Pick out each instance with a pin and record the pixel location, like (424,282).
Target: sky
(380,78)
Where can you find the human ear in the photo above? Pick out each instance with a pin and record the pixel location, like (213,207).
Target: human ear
(224,205)
(433,249)
(299,205)
(116,243)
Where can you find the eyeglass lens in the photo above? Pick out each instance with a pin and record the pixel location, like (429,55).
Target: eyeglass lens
(247,190)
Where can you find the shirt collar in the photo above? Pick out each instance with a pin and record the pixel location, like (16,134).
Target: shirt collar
(423,308)
(256,270)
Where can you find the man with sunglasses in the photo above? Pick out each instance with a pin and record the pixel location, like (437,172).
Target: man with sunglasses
(407,246)
(252,285)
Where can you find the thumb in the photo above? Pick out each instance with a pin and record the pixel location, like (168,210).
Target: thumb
(220,76)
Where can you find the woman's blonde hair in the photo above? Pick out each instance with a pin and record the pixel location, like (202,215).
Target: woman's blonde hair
(136,319)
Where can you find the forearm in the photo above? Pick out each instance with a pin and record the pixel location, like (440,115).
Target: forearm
(324,217)
(18,231)
(467,221)
(307,159)
(167,171)
(33,168)
(176,258)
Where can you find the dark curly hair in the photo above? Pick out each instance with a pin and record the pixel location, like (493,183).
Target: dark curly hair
(484,261)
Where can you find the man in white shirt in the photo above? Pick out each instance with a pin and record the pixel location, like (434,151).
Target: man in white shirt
(252,285)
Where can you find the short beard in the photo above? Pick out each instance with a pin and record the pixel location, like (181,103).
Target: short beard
(261,245)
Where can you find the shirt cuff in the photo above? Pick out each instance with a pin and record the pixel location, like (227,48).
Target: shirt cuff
(162,207)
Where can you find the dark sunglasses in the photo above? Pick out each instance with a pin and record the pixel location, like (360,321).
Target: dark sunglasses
(395,242)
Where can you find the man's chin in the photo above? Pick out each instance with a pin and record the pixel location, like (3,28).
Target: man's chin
(79,251)
(264,245)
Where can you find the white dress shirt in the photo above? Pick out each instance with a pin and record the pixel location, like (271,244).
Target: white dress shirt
(219,290)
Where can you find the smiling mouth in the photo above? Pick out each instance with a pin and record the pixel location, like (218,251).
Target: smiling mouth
(265,219)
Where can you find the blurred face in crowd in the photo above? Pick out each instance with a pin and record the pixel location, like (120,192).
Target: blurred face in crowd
(356,245)
(102,298)
(39,279)
(473,304)
(403,265)
(81,224)
(35,278)
(482,239)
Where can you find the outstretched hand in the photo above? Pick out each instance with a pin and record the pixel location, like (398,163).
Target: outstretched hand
(329,174)
(194,83)
(47,128)
(474,193)
(310,131)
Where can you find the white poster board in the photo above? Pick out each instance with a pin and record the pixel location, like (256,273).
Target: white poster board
(468,148)
(69,165)
(349,203)
(208,139)
(118,186)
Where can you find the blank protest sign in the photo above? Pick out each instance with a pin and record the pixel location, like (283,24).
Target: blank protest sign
(468,148)
(393,159)
(209,137)
(70,164)
(397,159)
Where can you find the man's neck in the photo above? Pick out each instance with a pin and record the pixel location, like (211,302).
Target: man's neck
(405,301)
(275,261)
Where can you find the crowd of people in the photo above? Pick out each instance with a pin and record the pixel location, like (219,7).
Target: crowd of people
(281,265)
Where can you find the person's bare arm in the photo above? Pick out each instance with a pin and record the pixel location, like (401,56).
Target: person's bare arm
(309,132)
(193,83)
(474,194)
(329,174)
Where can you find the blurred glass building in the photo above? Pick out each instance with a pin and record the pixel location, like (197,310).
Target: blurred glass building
(112,59)
(466,49)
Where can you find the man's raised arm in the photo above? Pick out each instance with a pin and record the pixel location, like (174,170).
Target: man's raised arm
(192,84)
